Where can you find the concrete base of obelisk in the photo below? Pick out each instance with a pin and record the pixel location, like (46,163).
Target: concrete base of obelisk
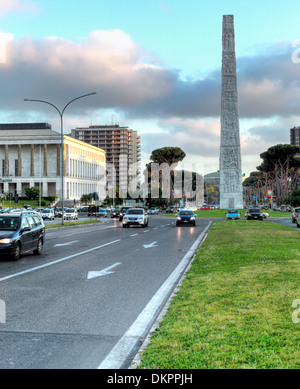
(231,200)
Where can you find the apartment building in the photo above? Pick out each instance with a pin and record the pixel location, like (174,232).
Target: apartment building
(30,156)
(123,153)
(295,136)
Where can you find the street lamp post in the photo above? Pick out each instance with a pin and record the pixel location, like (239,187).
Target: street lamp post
(61,113)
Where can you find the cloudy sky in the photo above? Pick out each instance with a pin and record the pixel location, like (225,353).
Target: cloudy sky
(156,68)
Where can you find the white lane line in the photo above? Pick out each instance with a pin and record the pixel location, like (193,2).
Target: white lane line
(146,231)
(126,345)
(65,244)
(134,235)
(57,261)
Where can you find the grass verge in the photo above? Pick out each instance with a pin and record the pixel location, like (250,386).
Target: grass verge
(70,224)
(234,307)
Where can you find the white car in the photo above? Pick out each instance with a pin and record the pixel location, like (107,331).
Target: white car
(153,211)
(71,214)
(48,213)
(135,217)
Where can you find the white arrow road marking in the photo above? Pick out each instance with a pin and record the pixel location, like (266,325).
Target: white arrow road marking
(58,261)
(65,244)
(148,246)
(104,272)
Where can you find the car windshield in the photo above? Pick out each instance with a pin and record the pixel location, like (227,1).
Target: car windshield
(9,223)
(70,210)
(233,211)
(135,212)
(46,211)
(186,213)
(253,210)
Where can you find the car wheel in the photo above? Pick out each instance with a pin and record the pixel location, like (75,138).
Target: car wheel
(124,225)
(194,224)
(39,248)
(16,252)
(298,225)
(177,224)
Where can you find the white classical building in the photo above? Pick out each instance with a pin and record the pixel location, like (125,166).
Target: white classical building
(30,156)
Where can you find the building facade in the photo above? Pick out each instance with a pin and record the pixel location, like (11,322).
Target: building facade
(295,136)
(30,156)
(123,153)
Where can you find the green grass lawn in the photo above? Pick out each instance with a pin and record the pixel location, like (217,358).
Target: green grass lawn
(21,203)
(70,224)
(234,308)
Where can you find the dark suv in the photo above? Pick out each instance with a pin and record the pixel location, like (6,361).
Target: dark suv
(254,214)
(123,210)
(21,233)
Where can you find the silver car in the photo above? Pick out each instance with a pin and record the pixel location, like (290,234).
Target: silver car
(71,214)
(135,217)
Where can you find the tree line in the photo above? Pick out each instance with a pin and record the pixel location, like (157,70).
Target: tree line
(277,176)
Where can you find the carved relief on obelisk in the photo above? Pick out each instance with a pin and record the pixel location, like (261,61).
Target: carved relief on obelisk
(231,190)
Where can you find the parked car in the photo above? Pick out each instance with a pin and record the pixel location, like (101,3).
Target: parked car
(204,208)
(21,233)
(102,212)
(48,213)
(71,214)
(295,214)
(84,208)
(135,217)
(233,214)
(123,210)
(185,216)
(254,214)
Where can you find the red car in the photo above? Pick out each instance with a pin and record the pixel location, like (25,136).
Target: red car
(204,208)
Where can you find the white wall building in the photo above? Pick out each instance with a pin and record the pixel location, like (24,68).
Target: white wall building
(30,156)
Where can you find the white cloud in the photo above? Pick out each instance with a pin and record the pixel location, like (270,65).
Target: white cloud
(13,5)
(140,89)
(5,40)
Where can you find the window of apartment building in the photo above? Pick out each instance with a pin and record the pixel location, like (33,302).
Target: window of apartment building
(16,167)
(3,167)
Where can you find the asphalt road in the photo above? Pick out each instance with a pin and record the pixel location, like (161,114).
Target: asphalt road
(284,221)
(90,299)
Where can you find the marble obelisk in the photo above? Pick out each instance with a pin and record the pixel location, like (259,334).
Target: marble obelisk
(231,189)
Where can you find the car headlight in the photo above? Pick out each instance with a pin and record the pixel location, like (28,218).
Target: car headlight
(6,241)
(178,218)
(192,218)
